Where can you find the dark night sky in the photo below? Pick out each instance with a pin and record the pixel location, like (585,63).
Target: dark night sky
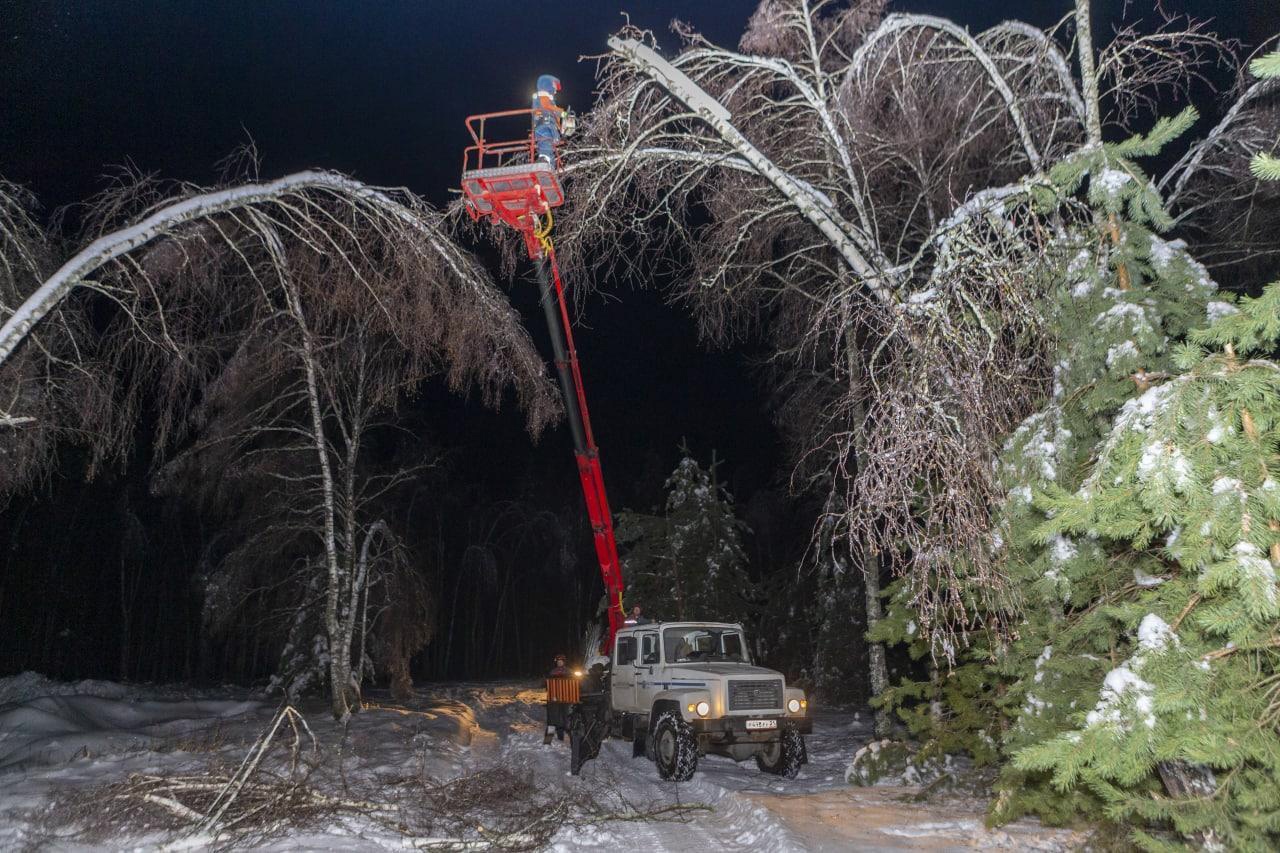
(379,90)
(375,89)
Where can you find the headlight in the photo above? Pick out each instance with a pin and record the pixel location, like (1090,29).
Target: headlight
(577,673)
(794,706)
(703,709)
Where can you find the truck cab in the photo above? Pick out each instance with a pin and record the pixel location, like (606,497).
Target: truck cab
(681,690)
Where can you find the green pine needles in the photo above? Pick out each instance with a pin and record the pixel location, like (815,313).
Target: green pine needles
(1184,504)
(1267,67)
(1142,526)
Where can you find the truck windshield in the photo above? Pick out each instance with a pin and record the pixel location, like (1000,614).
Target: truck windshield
(689,644)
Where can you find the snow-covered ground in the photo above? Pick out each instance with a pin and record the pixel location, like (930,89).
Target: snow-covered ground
(58,738)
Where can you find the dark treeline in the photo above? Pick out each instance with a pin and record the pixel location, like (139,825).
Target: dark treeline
(102,578)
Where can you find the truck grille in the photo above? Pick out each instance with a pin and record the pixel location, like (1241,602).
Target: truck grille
(755,695)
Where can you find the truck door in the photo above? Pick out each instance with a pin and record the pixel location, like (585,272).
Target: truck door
(623,683)
(647,669)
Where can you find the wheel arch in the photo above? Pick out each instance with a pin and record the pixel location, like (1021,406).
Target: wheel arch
(662,703)
(678,701)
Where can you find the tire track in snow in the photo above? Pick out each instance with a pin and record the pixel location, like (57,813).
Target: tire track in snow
(735,822)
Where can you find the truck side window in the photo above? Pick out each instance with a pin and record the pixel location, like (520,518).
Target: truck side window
(626,650)
(649,649)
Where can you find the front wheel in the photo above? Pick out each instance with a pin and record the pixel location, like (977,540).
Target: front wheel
(784,756)
(675,749)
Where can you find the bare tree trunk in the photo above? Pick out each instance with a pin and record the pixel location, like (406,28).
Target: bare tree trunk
(875,651)
(1088,73)
(870,561)
(339,658)
(840,647)
(364,637)
(359,586)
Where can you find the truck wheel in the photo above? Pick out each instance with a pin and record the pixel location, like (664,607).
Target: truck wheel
(577,745)
(675,749)
(784,756)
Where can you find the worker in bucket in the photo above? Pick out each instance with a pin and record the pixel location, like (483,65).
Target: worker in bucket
(547,118)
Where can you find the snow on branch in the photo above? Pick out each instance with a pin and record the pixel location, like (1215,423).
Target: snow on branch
(79,269)
(850,243)
(894,25)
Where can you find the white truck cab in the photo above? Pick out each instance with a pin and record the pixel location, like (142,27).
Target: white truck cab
(680,690)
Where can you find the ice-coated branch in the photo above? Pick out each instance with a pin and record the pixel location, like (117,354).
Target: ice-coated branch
(814,97)
(894,24)
(1191,161)
(79,269)
(1057,59)
(838,231)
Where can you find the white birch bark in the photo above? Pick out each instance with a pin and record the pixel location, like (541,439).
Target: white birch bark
(1088,74)
(835,228)
(339,664)
(78,270)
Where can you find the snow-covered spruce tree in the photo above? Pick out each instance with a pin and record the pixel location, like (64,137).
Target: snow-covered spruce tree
(1125,301)
(1183,501)
(1183,505)
(1123,295)
(689,562)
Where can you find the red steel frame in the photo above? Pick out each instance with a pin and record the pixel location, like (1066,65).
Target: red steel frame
(503,180)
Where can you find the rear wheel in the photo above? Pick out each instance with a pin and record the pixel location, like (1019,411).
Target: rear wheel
(675,749)
(577,744)
(783,757)
(586,731)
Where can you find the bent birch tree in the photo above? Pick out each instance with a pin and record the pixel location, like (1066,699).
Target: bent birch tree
(262,319)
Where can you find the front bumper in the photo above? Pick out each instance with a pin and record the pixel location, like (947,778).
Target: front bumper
(734,729)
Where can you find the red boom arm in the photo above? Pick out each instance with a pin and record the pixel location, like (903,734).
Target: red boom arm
(585,449)
(503,181)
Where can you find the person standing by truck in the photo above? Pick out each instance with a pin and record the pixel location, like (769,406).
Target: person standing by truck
(553,721)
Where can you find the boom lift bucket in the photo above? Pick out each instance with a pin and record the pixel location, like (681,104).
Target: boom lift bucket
(505,180)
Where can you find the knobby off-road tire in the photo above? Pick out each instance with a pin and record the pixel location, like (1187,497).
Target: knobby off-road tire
(577,744)
(586,732)
(674,747)
(784,756)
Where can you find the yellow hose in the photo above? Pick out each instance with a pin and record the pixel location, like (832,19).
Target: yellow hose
(543,232)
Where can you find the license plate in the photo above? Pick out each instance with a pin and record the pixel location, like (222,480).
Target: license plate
(762,724)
